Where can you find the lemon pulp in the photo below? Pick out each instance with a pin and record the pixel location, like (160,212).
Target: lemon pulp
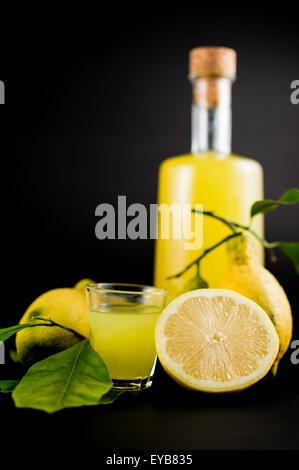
(215,340)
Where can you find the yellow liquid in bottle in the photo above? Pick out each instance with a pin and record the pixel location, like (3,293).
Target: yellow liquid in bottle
(225,185)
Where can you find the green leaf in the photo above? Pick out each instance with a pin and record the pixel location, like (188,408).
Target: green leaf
(110,397)
(291,250)
(291,196)
(74,377)
(7,386)
(6,333)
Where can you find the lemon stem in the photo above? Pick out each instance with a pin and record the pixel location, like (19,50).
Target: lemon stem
(205,253)
(49,322)
(235,228)
(227,222)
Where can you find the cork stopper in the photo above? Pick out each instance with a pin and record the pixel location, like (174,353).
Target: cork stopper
(206,61)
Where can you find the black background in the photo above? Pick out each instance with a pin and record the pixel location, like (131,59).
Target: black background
(94,102)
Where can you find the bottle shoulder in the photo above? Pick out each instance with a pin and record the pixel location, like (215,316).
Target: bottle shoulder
(210,159)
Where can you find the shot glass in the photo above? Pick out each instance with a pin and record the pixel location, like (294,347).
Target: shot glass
(122,320)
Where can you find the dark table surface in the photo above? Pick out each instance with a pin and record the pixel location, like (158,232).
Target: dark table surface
(265,416)
(169,417)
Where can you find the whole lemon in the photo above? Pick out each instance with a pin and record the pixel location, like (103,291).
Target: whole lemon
(65,306)
(248,277)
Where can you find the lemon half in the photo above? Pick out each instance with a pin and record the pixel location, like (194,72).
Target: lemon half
(215,340)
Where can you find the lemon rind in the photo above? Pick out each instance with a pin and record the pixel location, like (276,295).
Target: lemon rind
(176,371)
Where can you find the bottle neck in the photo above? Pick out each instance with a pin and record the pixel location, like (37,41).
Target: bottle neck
(211,115)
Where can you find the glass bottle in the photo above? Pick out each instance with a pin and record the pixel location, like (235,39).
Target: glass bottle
(211,175)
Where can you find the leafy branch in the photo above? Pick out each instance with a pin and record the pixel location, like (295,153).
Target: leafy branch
(290,249)
(6,333)
(205,253)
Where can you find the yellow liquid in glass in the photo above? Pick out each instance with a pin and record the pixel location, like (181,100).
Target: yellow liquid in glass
(124,336)
(227,186)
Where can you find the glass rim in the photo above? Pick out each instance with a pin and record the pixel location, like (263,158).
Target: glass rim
(115,287)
